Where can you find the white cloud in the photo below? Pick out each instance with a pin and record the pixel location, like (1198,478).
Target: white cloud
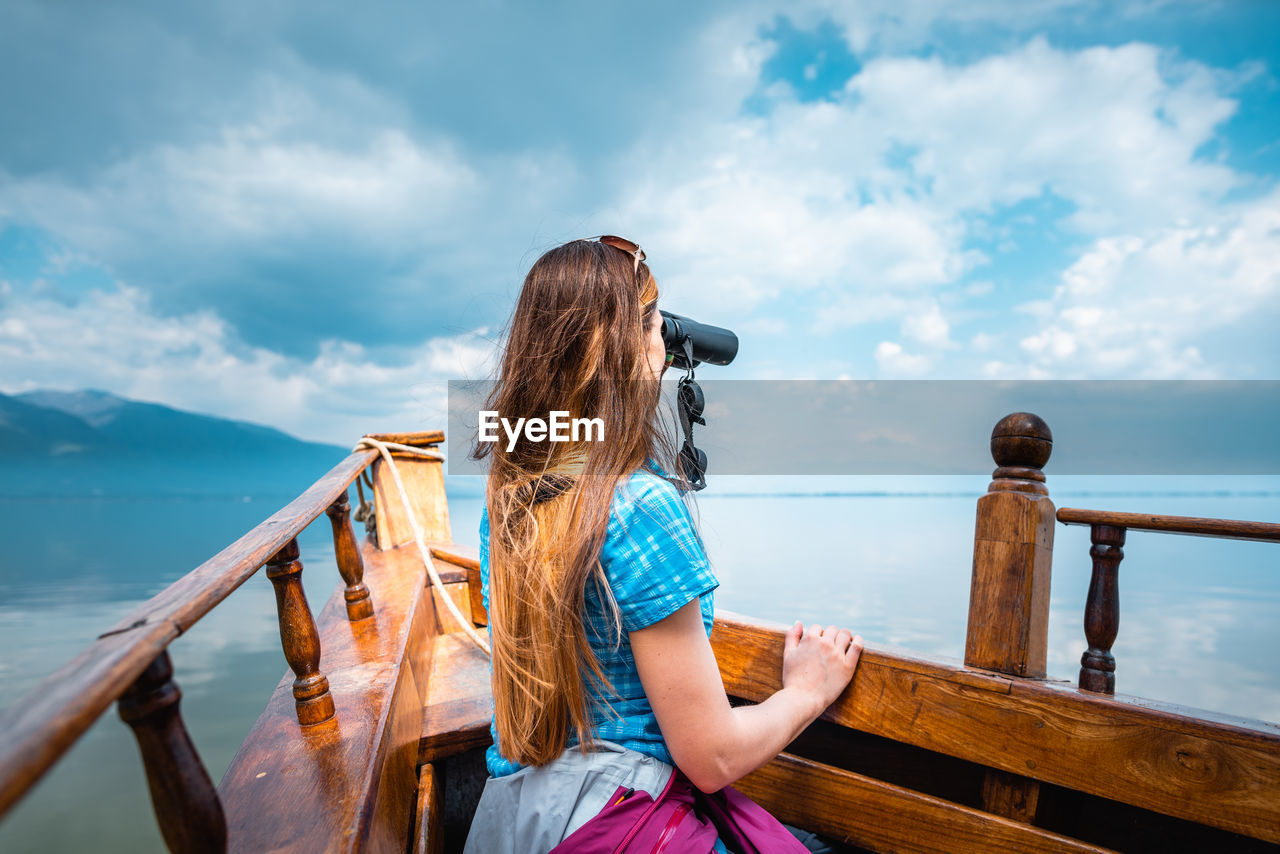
(1053,342)
(978,289)
(872,199)
(765,325)
(928,327)
(469,356)
(898,26)
(854,308)
(1138,306)
(113,341)
(894,361)
(287,206)
(249,186)
(982,342)
(1112,130)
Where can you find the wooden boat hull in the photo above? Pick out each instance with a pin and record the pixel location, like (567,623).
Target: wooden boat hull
(374,741)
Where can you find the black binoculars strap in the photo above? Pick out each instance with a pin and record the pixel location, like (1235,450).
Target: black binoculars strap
(693,462)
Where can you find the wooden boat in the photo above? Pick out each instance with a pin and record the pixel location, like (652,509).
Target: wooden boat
(374,741)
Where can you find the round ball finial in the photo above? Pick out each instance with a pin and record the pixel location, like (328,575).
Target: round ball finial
(1021,439)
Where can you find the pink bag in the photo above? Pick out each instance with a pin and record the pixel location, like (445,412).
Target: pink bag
(682,819)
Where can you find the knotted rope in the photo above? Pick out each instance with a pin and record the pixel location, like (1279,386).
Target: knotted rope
(385,449)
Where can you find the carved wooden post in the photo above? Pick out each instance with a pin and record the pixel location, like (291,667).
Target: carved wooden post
(299,637)
(359,605)
(1102,610)
(1009,591)
(182,794)
(1013,554)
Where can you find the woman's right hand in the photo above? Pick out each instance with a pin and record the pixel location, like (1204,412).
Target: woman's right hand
(820,662)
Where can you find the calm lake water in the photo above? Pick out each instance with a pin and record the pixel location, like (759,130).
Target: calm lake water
(1198,617)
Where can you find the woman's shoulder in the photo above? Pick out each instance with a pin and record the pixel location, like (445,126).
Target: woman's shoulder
(650,517)
(653,555)
(645,487)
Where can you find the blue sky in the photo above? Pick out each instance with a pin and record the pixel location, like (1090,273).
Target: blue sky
(310,217)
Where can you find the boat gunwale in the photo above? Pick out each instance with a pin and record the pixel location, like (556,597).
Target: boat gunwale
(1013,724)
(1240,730)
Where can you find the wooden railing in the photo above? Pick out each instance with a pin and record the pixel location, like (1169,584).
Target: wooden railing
(990,755)
(1102,608)
(130,663)
(1006,738)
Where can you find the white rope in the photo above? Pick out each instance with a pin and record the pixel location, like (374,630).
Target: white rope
(385,449)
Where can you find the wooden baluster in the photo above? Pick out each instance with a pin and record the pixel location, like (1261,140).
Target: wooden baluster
(182,794)
(359,605)
(1102,610)
(299,637)
(1009,590)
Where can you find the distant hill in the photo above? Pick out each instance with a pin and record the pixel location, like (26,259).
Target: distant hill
(95,443)
(29,430)
(128,426)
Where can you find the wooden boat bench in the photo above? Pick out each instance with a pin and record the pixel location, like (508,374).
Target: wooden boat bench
(459,703)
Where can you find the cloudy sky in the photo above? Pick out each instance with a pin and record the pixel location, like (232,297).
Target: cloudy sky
(308,216)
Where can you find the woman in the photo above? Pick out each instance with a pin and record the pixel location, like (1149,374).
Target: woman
(598,588)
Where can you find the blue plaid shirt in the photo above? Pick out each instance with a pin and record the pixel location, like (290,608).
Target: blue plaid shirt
(655,562)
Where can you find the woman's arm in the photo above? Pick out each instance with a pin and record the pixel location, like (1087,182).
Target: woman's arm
(714,743)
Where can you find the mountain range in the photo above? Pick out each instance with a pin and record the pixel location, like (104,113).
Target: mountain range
(95,443)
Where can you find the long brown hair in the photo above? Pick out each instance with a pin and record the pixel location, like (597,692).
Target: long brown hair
(576,343)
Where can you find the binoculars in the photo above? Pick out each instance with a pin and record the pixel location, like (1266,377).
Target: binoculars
(692,343)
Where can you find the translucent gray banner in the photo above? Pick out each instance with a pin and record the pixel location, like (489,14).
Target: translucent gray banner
(943,427)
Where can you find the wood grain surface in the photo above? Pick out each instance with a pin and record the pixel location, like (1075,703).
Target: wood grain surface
(39,727)
(879,816)
(299,637)
(1181,762)
(349,783)
(467,557)
(1102,610)
(428,830)
(421,439)
(424,481)
(1232,529)
(459,702)
(461,596)
(1009,589)
(182,794)
(456,553)
(347,553)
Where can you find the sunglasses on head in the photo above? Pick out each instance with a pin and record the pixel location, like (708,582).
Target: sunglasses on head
(631,248)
